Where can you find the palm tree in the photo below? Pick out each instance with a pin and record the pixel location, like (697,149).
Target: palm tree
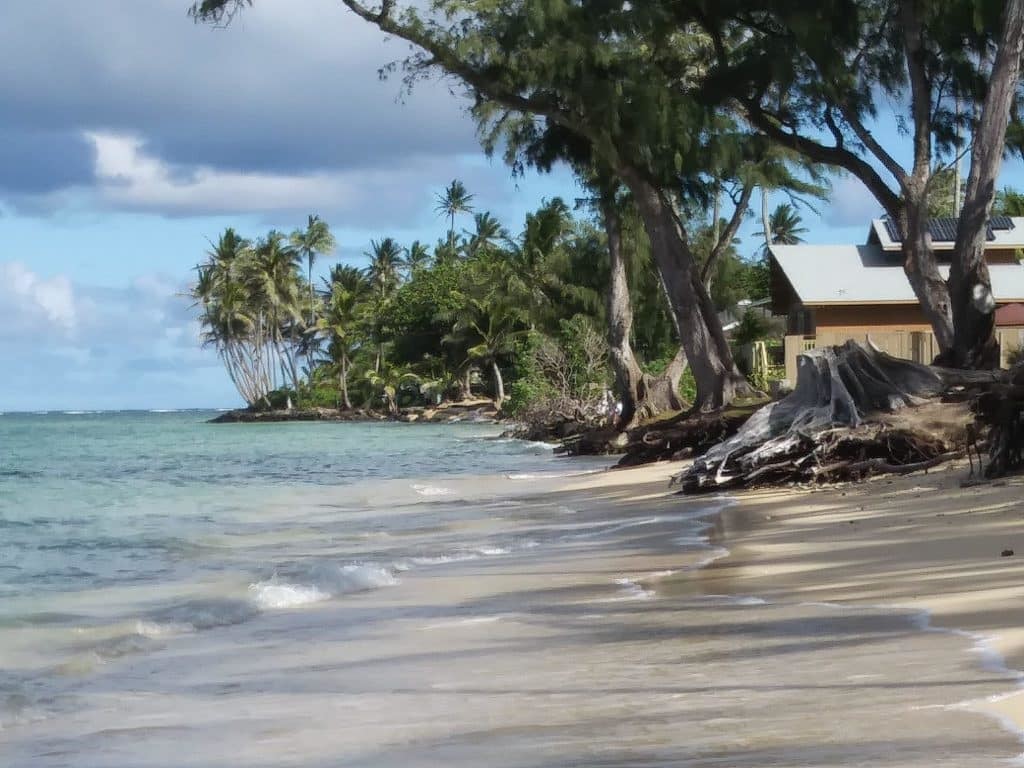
(417,256)
(388,381)
(233,314)
(487,234)
(489,318)
(341,320)
(783,227)
(455,200)
(385,264)
(272,275)
(539,257)
(316,240)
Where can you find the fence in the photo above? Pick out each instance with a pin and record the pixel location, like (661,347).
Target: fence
(918,346)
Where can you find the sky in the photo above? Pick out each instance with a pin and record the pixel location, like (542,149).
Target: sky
(129,137)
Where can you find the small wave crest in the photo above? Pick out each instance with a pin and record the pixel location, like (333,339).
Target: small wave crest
(320,582)
(432,490)
(276,596)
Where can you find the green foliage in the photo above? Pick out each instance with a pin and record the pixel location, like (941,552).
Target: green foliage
(941,197)
(688,386)
(1009,202)
(784,226)
(752,328)
(529,384)
(407,328)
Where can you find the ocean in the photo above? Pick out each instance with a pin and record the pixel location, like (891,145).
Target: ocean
(175,593)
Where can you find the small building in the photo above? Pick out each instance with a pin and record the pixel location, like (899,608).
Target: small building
(832,293)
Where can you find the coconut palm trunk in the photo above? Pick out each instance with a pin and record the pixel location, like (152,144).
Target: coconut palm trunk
(499,384)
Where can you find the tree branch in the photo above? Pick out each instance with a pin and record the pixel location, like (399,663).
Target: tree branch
(837,156)
(729,233)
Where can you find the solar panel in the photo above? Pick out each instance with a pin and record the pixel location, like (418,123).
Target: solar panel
(893,230)
(943,229)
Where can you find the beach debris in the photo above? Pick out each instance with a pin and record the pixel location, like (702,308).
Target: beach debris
(1007,553)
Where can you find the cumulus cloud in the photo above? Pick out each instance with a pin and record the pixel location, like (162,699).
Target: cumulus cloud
(33,307)
(79,345)
(286,99)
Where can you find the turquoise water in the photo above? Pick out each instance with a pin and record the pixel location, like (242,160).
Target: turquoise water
(89,500)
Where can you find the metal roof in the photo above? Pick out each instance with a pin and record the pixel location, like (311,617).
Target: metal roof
(865,274)
(1001,232)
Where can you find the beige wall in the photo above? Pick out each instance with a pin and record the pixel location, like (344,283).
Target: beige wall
(919,346)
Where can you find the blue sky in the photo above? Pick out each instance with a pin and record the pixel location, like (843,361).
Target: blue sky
(128,136)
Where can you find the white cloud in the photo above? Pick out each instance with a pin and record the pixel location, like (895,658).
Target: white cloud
(851,204)
(80,345)
(129,178)
(33,305)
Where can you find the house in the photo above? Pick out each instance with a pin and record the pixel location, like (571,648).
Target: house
(832,293)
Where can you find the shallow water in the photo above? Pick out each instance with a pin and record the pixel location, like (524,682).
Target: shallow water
(178,594)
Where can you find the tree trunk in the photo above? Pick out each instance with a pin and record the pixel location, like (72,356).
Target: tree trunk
(499,385)
(344,383)
(922,271)
(700,331)
(659,394)
(973,305)
(918,258)
(620,320)
(766,220)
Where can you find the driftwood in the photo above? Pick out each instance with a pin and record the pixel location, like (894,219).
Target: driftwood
(854,411)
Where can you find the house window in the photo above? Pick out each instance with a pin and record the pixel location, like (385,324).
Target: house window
(801,321)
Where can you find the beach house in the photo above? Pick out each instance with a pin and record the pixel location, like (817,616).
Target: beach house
(832,293)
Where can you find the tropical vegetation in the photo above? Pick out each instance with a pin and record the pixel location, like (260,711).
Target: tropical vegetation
(517,318)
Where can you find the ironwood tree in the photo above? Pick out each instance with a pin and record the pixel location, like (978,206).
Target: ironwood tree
(818,76)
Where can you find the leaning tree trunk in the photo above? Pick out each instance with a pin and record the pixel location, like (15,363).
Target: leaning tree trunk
(343,380)
(628,376)
(974,341)
(700,332)
(499,385)
(922,271)
(911,212)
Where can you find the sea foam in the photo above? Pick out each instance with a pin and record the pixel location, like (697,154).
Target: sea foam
(320,582)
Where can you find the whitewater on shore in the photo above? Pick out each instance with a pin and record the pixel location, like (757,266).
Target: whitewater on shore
(178,594)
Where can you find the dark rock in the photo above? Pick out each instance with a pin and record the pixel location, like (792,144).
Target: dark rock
(1007,553)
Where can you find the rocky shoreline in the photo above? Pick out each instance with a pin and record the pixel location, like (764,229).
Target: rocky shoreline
(477,411)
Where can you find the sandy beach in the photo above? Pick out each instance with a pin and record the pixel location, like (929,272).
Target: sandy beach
(921,542)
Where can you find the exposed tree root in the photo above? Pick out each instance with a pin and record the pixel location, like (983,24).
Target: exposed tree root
(999,407)
(855,411)
(682,435)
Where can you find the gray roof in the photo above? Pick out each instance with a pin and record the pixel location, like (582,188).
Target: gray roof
(865,274)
